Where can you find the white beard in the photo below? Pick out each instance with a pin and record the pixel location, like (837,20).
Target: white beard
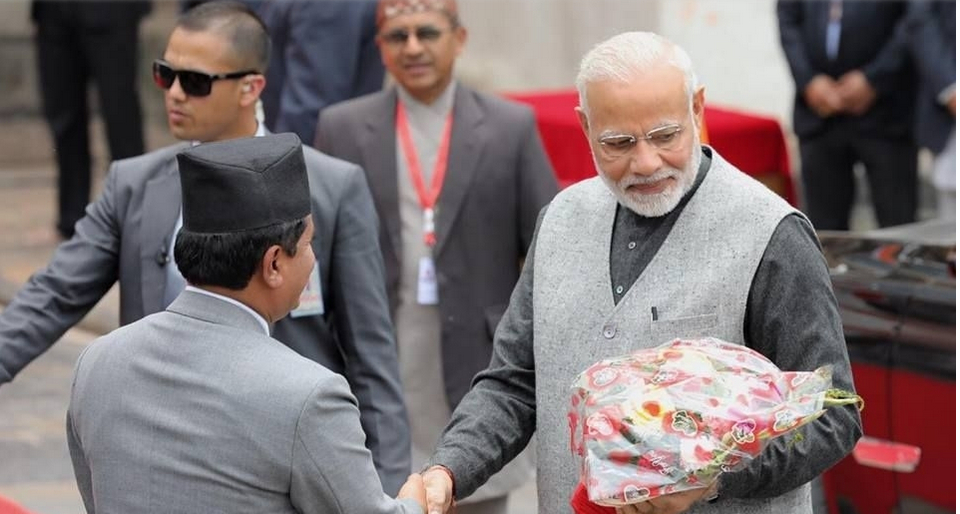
(659,204)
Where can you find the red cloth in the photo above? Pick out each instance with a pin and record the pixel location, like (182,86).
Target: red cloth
(8,507)
(582,505)
(755,144)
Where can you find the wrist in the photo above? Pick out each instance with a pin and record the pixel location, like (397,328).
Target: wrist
(446,470)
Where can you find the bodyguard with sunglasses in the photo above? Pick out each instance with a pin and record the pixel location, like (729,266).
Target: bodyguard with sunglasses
(458,178)
(212,75)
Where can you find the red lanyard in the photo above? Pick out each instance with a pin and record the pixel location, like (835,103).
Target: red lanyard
(428,199)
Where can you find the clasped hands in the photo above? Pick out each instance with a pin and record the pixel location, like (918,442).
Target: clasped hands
(433,490)
(850,94)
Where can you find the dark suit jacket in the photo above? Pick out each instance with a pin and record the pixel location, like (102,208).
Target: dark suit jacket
(323,52)
(498,179)
(125,236)
(195,409)
(930,30)
(868,42)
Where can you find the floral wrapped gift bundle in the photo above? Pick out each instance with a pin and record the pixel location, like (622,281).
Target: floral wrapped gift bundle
(672,418)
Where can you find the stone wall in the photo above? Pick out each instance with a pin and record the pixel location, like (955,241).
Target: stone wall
(537,44)
(512,45)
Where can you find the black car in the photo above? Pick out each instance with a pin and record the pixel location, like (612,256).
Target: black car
(896,289)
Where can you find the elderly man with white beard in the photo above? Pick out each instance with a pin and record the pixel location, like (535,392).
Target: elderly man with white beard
(669,241)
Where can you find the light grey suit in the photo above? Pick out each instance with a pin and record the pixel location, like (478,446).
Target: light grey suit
(196,409)
(126,235)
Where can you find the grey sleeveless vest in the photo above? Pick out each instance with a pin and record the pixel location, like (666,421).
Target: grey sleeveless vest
(696,285)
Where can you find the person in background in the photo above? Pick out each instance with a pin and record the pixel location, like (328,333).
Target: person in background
(73,40)
(212,76)
(197,408)
(854,103)
(669,241)
(930,29)
(458,178)
(324,52)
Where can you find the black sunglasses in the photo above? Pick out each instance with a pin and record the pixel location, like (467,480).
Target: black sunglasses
(193,83)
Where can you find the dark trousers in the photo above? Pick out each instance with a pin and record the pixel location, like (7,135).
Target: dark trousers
(69,56)
(827,162)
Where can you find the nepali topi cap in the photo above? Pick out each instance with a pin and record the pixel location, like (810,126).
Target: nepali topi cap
(243,184)
(387,9)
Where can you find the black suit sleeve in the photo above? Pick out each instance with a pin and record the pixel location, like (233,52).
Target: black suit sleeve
(882,71)
(790,17)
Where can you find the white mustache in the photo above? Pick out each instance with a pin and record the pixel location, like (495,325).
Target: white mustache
(641,180)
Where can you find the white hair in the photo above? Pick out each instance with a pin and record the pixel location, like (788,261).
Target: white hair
(625,55)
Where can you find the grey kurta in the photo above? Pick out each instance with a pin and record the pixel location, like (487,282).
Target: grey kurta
(196,409)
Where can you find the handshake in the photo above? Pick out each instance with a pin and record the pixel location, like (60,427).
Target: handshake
(433,490)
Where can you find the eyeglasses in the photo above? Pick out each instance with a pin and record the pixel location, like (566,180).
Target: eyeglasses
(193,83)
(666,138)
(424,34)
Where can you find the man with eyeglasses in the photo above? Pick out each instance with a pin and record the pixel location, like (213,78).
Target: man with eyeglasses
(458,178)
(670,241)
(212,75)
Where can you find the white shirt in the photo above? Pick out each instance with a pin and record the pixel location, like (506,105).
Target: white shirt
(260,319)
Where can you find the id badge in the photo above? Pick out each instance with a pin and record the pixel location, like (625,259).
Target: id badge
(311,299)
(427,283)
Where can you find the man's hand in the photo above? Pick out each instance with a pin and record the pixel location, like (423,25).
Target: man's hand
(439,488)
(413,490)
(856,93)
(669,504)
(952,105)
(822,94)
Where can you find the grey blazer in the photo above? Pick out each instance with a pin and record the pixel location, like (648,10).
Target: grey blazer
(195,409)
(498,179)
(125,236)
